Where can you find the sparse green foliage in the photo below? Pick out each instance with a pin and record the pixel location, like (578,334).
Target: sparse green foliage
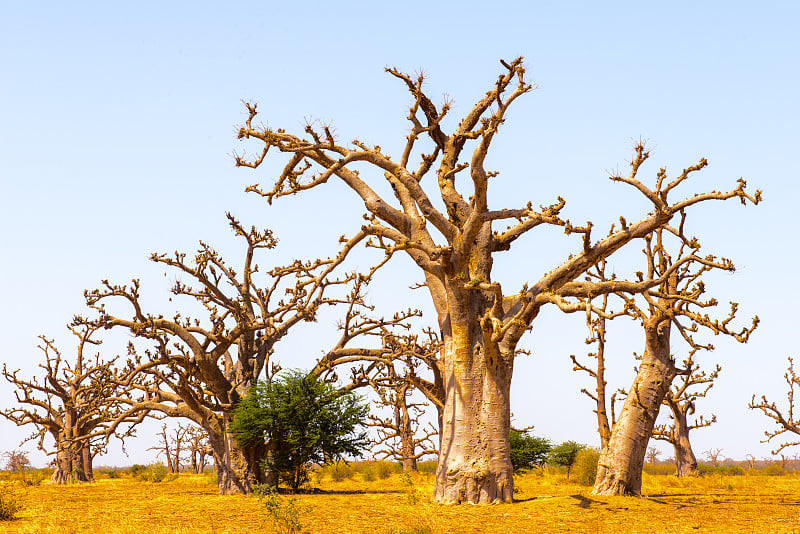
(565,454)
(413,493)
(303,421)
(283,512)
(152,473)
(528,450)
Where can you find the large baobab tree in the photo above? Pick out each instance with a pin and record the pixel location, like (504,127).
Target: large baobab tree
(480,322)
(784,419)
(199,370)
(681,399)
(75,402)
(676,302)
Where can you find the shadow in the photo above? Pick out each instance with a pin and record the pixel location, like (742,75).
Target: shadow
(317,491)
(586,502)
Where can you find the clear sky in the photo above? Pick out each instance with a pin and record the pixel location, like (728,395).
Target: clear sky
(118,121)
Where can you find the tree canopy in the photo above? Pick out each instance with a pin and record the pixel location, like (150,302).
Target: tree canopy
(302,420)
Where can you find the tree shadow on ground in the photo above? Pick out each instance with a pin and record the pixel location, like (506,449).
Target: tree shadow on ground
(586,502)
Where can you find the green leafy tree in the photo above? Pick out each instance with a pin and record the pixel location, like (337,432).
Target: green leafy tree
(302,421)
(565,454)
(528,450)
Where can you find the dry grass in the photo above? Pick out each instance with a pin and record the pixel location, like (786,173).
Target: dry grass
(753,504)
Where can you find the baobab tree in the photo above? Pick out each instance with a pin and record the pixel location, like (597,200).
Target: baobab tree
(199,448)
(200,370)
(681,400)
(400,435)
(676,302)
(784,419)
(173,445)
(480,322)
(76,402)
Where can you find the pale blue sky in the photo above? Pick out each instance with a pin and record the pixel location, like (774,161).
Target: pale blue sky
(117,124)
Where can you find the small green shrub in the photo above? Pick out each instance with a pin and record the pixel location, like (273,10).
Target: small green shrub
(427,467)
(136,469)
(774,470)
(283,512)
(585,467)
(734,470)
(413,493)
(368,472)
(340,470)
(153,473)
(112,473)
(384,470)
(9,503)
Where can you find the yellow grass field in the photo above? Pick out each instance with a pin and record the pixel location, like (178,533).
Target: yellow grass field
(545,504)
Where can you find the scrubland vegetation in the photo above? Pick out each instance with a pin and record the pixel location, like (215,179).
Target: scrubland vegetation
(378,498)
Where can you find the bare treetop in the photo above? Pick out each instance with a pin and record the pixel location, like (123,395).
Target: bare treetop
(480,322)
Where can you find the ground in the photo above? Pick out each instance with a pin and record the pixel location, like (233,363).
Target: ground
(399,505)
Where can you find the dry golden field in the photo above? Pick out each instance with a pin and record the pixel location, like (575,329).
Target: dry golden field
(757,504)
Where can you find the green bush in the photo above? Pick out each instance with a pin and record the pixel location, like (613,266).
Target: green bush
(9,503)
(112,473)
(153,473)
(586,466)
(136,469)
(384,469)
(528,450)
(308,421)
(339,471)
(774,470)
(565,454)
(283,512)
(367,472)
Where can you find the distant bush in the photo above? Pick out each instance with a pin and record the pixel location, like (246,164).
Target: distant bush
(528,450)
(111,473)
(153,473)
(586,466)
(367,471)
(734,470)
(136,469)
(427,467)
(659,469)
(339,470)
(774,470)
(725,470)
(9,503)
(565,454)
(384,469)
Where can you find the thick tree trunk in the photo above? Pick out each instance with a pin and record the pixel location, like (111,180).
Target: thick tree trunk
(238,468)
(474,455)
(69,466)
(87,461)
(619,469)
(685,461)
